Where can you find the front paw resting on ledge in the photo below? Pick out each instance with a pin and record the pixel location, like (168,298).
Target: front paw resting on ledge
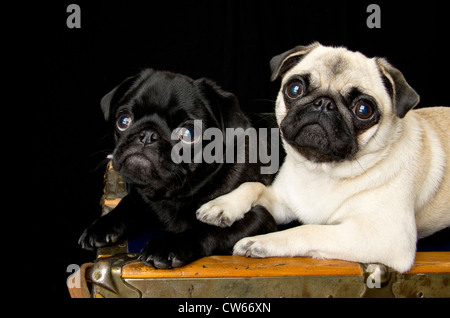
(223,211)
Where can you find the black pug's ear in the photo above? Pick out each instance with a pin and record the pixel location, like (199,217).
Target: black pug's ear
(404,97)
(223,105)
(280,64)
(110,100)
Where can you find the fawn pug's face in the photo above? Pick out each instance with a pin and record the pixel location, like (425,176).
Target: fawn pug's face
(332,103)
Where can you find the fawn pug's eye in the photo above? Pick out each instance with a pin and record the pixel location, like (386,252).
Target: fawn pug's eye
(295,89)
(363,109)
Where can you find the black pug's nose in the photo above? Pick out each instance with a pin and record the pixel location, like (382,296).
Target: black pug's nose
(147,137)
(325,104)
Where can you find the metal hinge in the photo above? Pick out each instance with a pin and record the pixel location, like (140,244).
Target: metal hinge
(383,282)
(378,279)
(106,277)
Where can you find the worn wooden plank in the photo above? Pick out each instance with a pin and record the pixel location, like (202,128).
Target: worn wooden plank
(431,262)
(237,266)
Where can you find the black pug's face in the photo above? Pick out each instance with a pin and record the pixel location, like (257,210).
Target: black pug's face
(147,111)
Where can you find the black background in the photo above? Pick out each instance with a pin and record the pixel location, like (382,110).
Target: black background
(67,71)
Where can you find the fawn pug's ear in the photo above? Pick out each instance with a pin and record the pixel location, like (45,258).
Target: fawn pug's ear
(404,97)
(280,64)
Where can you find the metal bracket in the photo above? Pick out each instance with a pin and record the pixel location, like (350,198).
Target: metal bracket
(106,276)
(378,279)
(383,282)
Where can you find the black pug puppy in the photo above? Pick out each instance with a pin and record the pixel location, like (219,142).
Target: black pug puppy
(147,110)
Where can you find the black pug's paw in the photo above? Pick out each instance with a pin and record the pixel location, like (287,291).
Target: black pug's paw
(170,252)
(101,233)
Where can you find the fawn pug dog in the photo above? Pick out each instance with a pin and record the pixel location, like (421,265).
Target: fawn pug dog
(364,173)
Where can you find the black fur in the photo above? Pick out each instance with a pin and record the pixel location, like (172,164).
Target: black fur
(164,194)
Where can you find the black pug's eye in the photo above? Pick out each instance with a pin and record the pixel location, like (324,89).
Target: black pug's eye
(188,135)
(123,122)
(363,110)
(295,89)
